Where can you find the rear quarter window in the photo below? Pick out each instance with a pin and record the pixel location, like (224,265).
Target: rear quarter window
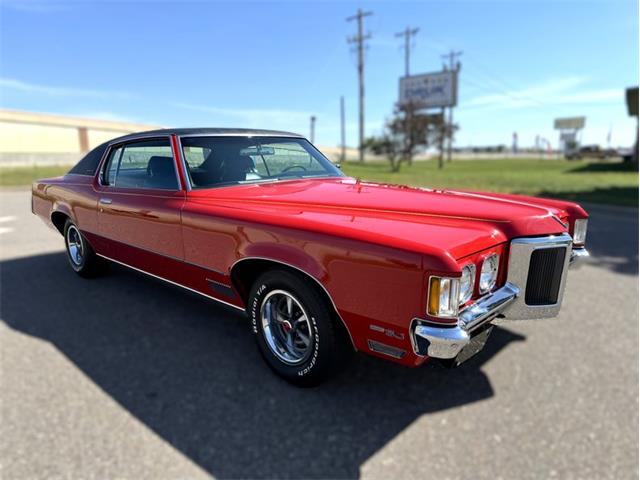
(89,164)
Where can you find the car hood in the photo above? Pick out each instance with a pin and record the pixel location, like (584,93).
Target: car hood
(416,219)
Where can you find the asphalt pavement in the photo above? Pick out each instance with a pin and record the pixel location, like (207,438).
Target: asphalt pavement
(127,377)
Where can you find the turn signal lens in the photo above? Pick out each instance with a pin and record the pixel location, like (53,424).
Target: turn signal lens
(443,297)
(580,231)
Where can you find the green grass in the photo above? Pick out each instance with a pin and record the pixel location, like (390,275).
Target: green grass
(19,176)
(598,182)
(581,181)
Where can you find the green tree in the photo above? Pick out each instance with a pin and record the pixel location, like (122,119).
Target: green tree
(405,133)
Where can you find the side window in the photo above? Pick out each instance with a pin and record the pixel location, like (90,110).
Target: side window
(145,164)
(109,177)
(195,155)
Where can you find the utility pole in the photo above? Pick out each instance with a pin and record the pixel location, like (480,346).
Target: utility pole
(407,34)
(359,40)
(342,135)
(442,134)
(313,128)
(452,56)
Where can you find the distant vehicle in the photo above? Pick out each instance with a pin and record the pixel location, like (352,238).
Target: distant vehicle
(590,151)
(322,264)
(625,153)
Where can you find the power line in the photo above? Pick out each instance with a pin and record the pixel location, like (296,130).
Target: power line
(407,34)
(359,40)
(515,96)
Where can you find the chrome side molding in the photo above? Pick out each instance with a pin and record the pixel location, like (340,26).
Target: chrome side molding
(385,349)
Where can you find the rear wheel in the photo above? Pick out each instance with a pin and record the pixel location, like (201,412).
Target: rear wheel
(81,256)
(294,328)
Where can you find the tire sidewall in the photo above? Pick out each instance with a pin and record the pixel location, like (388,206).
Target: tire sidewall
(317,364)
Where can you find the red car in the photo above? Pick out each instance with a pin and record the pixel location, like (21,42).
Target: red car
(323,264)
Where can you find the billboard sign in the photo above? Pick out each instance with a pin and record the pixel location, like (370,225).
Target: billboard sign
(430,90)
(570,123)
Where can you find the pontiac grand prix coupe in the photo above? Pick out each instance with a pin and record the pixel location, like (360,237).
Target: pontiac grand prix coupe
(323,264)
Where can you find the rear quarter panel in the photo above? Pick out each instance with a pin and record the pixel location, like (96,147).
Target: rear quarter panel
(72,195)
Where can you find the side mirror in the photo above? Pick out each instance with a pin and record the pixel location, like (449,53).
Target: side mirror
(337,166)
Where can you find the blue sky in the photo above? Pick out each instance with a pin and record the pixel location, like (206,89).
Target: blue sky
(273,64)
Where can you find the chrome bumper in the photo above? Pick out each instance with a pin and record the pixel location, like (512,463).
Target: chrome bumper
(578,256)
(447,342)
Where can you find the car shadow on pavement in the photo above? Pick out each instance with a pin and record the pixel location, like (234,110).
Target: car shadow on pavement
(188,369)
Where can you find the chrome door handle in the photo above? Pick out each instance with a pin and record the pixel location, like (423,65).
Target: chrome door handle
(105,201)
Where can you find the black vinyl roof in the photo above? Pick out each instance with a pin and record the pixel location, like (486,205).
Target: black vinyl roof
(209,131)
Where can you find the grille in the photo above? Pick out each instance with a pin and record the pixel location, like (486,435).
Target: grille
(545,274)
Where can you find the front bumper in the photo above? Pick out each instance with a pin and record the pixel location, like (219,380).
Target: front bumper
(578,256)
(444,342)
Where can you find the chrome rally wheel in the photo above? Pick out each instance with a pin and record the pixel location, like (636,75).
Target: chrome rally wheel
(286,327)
(295,328)
(81,256)
(75,246)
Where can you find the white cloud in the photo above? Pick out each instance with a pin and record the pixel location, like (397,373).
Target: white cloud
(562,91)
(55,91)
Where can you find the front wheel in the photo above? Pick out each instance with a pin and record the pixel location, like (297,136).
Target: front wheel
(81,256)
(294,328)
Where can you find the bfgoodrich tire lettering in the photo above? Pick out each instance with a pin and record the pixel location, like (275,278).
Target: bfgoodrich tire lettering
(294,328)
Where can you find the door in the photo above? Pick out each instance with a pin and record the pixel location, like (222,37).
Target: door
(140,201)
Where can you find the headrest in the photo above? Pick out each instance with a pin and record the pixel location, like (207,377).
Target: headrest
(160,165)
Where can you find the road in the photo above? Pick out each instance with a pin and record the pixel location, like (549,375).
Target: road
(127,377)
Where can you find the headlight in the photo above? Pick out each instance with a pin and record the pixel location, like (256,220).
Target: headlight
(443,297)
(489,273)
(580,231)
(467,280)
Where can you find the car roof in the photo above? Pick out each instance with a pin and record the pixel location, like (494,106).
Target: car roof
(232,132)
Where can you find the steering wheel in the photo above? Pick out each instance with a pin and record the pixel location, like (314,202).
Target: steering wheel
(291,167)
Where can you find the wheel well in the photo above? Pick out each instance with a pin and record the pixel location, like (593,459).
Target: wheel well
(246,272)
(59,219)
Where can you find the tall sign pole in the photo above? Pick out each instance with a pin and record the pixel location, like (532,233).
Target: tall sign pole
(454,66)
(359,40)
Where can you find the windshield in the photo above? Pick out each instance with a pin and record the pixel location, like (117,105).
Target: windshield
(221,161)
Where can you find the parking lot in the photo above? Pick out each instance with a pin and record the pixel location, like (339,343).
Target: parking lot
(127,377)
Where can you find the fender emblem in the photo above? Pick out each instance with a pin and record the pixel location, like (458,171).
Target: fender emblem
(387,331)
